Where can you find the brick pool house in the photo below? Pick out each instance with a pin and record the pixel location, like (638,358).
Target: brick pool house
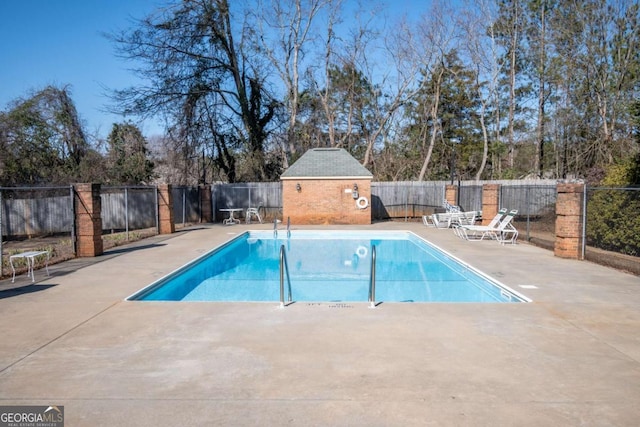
(326,186)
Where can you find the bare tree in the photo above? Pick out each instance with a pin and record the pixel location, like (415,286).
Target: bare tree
(327,61)
(611,65)
(541,69)
(192,62)
(399,83)
(285,27)
(437,36)
(480,44)
(509,29)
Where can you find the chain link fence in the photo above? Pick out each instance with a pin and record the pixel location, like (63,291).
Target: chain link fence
(43,218)
(405,200)
(186,205)
(409,201)
(29,214)
(124,209)
(536,206)
(264,196)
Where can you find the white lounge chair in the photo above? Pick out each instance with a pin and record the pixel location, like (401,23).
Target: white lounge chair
(508,235)
(497,218)
(437,220)
(448,219)
(450,208)
(465,218)
(427,220)
(500,228)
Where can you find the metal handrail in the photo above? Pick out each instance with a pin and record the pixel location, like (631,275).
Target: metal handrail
(284,268)
(372,279)
(275,227)
(288,226)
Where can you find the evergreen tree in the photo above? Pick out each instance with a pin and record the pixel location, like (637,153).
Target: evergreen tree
(127,158)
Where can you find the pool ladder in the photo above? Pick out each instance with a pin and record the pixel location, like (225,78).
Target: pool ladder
(372,279)
(275,227)
(284,269)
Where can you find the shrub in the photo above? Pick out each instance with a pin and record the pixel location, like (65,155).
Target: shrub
(613,222)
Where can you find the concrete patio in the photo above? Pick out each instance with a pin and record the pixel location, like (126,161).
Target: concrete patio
(569,358)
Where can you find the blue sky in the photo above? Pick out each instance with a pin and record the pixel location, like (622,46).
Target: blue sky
(60,42)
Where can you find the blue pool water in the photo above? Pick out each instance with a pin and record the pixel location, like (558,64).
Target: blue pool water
(328,266)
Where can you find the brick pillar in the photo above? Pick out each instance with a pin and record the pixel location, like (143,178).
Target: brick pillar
(569,215)
(166,225)
(451,194)
(490,202)
(206,212)
(88,207)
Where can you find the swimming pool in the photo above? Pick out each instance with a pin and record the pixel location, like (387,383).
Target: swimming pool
(328,266)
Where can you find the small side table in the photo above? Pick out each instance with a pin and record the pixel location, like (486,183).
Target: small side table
(31,261)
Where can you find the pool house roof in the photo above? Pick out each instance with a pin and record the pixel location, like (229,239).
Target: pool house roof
(326,163)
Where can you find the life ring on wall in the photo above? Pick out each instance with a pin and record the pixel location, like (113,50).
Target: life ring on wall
(362,202)
(361,252)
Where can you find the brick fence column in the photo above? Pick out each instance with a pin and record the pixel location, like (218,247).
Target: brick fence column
(490,202)
(451,194)
(569,215)
(166,225)
(88,217)
(206,206)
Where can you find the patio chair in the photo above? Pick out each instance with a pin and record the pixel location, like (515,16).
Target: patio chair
(462,233)
(450,208)
(449,219)
(508,232)
(253,212)
(500,228)
(496,219)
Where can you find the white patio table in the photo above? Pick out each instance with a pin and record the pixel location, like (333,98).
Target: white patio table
(30,256)
(232,219)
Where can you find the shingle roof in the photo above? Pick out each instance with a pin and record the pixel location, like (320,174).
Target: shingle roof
(326,163)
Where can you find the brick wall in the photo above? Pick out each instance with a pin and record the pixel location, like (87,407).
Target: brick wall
(166,224)
(569,205)
(490,202)
(451,194)
(206,204)
(324,201)
(88,211)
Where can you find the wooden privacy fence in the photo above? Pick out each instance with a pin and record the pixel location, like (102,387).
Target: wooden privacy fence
(45,211)
(403,199)
(31,212)
(407,199)
(530,199)
(186,204)
(607,215)
(388,199)
(128,208)
(35,212)
(267,196)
